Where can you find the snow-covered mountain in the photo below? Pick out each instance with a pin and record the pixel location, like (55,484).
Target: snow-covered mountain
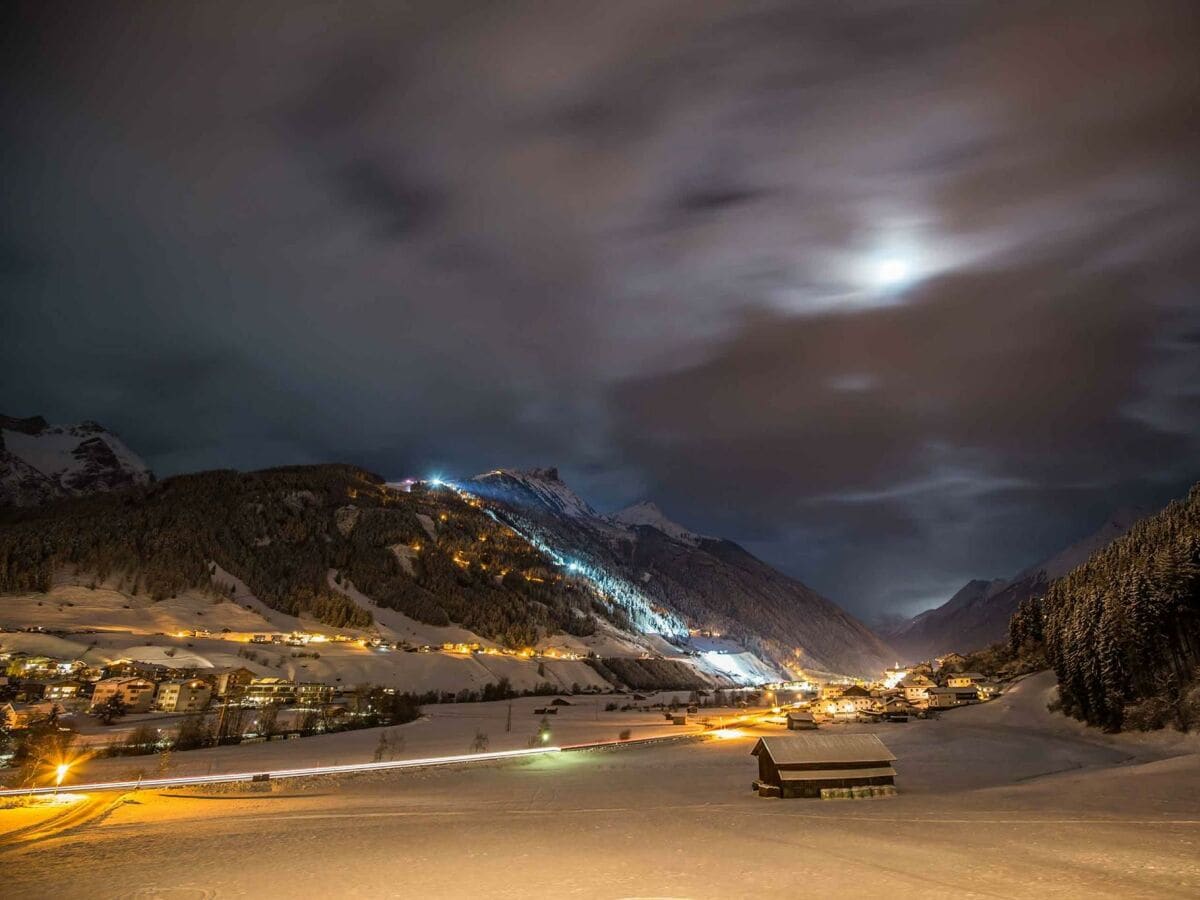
(673,581)
(40,462)
(978,614)
(649,515)
(540,487)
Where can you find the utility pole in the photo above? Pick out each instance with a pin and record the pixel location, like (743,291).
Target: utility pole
(508,721)
(221,718)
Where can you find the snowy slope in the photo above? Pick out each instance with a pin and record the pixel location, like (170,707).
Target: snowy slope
(1081,551)
(671,580)
(540,487)
(978,614)
(41,462)
(648,515)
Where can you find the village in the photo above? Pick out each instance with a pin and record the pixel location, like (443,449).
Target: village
(129,706)
(902,693)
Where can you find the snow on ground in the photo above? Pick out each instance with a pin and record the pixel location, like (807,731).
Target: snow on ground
(105,625)
(740,668)
(395,625)
(241,594)
(445,729)
(607,641)
(72,607)
(998,800)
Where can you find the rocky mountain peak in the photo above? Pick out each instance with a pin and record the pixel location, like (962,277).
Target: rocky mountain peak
(646,513)
(40,462)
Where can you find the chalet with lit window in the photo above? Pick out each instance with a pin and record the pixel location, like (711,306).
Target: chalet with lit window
(859,697)
(948,697)
(191,695)
(61,690)
(136,693)
(964,680)
(916,688)
(269,692)
(231,682)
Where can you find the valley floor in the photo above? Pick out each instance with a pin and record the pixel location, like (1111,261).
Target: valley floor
(998,800)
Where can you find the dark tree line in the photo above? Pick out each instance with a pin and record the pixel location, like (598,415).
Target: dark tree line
(1122,631)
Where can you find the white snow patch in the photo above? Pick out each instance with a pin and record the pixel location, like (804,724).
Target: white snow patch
(646,513)
(405,554)
(427,524)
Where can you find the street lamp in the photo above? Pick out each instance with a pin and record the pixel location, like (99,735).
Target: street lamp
(60,772)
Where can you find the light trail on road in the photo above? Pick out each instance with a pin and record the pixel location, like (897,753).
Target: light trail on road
(274,774)
(352,768)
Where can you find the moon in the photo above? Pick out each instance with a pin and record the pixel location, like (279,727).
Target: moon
(892,272)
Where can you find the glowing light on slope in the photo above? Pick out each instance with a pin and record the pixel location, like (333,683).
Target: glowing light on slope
(735,666)
(615,590)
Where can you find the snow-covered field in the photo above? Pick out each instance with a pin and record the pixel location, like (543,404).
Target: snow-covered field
(999,800)
(445,729)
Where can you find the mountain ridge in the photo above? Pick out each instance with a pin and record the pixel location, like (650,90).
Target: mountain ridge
(978,614)
(712,584)
(40,462)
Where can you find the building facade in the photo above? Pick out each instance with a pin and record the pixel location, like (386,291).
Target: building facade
(313,693)
(269,691)
(136,693)
(947,697)
(183,696)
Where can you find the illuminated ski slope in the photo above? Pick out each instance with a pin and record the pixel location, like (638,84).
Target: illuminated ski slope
(612,589)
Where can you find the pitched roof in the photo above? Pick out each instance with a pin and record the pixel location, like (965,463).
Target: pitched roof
(824,748)
(824,774)
(856,690)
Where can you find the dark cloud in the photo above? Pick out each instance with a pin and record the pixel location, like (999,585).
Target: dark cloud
(400,205)
(898,293)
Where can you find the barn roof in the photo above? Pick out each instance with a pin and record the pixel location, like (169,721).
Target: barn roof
(824,748)
(829,774)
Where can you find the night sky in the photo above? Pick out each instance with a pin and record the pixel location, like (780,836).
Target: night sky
(895,294)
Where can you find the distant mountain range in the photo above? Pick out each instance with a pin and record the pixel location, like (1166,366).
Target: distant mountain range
(40,462)
(978,614)
(672,580)
(509,554)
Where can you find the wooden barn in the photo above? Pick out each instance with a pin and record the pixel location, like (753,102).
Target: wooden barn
(800,720)
(801,765)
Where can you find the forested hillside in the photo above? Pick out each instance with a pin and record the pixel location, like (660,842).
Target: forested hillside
(432,556)
(1122,631)
(670,579)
